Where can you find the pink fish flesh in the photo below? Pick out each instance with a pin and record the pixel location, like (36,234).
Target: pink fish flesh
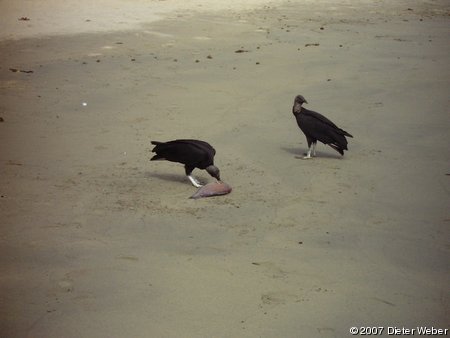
(212,189)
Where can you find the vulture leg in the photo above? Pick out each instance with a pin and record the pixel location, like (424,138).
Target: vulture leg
(314,149)
(194,182)
(311,149)
(308,155)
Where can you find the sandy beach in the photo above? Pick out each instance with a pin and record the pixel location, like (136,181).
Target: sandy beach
(97,241)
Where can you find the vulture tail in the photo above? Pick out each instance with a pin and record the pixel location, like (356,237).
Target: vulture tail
(345,133)
(337,148)
(157,156)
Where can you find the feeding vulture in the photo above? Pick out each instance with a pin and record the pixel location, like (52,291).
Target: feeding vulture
(192,153)
(317,127)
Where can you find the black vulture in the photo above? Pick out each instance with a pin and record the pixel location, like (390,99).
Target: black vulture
(317,127)
(192,153)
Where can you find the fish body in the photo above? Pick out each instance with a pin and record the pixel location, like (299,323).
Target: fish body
(212,189)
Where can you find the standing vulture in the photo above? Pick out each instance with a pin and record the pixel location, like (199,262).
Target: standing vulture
(317,127)
(192,153)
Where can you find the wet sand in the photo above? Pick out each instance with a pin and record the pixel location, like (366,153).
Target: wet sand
(96,241)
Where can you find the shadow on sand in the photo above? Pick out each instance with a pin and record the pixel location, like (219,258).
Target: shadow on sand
(299,153)
(173,178)
(167,177)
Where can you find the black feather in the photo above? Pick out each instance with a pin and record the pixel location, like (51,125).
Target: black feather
(317,127)
(192,153)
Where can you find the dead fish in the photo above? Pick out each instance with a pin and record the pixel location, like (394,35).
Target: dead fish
(212,189)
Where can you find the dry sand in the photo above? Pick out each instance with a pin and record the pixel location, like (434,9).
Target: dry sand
(96,241)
